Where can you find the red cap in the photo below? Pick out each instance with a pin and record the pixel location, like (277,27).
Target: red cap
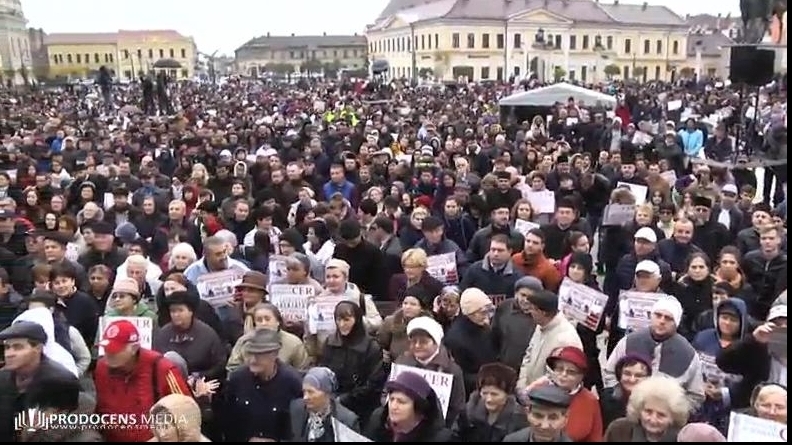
(569,354)
(117,335)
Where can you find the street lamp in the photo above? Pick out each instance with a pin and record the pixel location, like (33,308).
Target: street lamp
(599,49)
(542,45)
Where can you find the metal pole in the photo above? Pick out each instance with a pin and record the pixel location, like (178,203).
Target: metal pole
(506,74)
(413,55)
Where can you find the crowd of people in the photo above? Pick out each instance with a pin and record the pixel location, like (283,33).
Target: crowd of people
(331,262)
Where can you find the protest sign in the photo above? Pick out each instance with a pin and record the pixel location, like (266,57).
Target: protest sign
(581,304)
(218,288)
(635,309)
(746,428)
(524,227)
(443,268)
(440,382)
(778,343)
(618,214)
(292,300)
(321,313)
(276,269)
(497,299)
(638,191)
(344,433)
(542,202)
(712,374)
(144,325)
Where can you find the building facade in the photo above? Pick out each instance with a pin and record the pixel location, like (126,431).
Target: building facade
(301,54)
(126,53)
(582,40)
(14,44)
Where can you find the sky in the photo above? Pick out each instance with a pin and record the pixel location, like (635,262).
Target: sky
(227,24)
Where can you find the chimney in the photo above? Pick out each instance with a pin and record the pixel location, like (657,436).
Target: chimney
(268,34)
(644,6)
(718,23)
(324,34)
(292,35)
(687,16)
(615,2)
(355,34)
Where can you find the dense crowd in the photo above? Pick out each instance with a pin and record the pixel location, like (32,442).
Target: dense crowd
(339,262)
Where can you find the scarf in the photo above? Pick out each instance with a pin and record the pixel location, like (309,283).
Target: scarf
(316,424)
(672,355)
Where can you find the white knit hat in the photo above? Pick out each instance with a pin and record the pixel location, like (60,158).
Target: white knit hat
(428,325)
(671,306)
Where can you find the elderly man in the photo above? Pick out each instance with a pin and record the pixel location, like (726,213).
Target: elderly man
(25,366)
(670,352)
(258,394)
(127,368)
(676,250)
(512,325)
(547,407)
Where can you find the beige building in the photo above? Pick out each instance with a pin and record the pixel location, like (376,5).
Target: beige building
(15,57)
(495,39)
(294,54)
(127,53)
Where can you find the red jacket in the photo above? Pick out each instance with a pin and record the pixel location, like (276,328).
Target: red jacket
(133,393)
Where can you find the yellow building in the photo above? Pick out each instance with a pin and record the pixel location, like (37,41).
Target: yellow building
(126,53)
(495,39)
(294,54)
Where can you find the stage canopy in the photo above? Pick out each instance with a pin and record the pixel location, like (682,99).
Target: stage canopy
(559,92)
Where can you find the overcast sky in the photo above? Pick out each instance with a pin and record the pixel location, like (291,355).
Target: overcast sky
(226,24)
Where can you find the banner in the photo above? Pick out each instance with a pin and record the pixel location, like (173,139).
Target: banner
(542,202)
(440,382)
(276,269)
(524,226)
(712,374)
(745,428)
(638,191)
(443,268)
(635,309)
(321,314)
(292,300)
(144,325)
(581,304)
(219,288)
(618,214)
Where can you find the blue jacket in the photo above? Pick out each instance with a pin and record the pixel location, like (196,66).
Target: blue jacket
(692,141)
(707,343)
(346,189)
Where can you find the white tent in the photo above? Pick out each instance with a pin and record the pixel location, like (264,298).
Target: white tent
(559,92)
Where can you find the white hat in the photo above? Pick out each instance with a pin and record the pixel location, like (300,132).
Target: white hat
(777,311)
(428,325)
(671,306)
(645,233)
(729,188)
(648,266)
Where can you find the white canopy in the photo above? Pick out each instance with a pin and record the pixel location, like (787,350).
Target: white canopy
(559,92)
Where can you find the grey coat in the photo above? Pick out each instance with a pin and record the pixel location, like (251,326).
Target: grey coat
(299,419)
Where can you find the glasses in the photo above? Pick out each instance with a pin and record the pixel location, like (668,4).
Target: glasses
(571,372)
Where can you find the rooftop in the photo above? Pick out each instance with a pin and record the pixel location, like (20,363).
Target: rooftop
(712,22)
(581,11)
(294,41)
(709,44)
(98,38)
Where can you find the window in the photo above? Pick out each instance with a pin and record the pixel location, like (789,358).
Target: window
(97,58)
(609,43)
(107,58)
(657,72)
(111,58)
(125,53)
(172,53)
(626,71)
(647,46)
(455,40)
(161,53)
(499,40)
(485,72)
(185,73)
(485,41)
(517,71)
(500,73)
(423,42)
(711,72)
(659,47)
(627,47)
(68,58)
(87,58)
(571,75)
(183,53)
(471,40)
(572,42)
(437,40)
(291,54)
(518,42)
(79,58)
(127,74)
(583,73)
(407,44)
(151,53)
(346,54)
(140,53)
(429,41)
(558,41)
(675,47)
(55,59)
(585,42)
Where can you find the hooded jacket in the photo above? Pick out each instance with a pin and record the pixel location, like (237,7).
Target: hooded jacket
(187,415)
(57,353)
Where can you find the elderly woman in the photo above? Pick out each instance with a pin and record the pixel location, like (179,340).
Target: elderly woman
(630,370)
(392,336)
(177,419)
(313,416)
(446,306)
(125,301)
(337,284)
(136,267)
(492,412)
(568,366)
(177,282)
(657,409)
(194,340)
(412,413)
(769,402)
(180,256)
(267,316)
(415,278)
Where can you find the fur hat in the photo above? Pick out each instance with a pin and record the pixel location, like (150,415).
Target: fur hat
(182,297)
(497,375)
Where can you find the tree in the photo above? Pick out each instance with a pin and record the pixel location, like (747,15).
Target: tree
(311,66)
(425,73)
(271,67)
(331,69)
(612,70)
(559,74)
(687,72)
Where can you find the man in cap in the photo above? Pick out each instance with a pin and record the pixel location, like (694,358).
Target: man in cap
(644,248)
(670,352)
(250,292)
(512,325)
(366,261)
(726,211)
(25,366)
(546,407)
(128,368)
(258,394)
(710,235)
(103,250)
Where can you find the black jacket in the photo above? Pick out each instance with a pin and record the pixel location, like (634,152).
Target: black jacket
(431,428)
(366,267)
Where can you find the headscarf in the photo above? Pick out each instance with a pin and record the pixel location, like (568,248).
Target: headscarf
(323,379)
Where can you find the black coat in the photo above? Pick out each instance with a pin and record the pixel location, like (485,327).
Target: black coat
(472,424)
(612,405)
(431,429)
(749,359)
(471,346)
(366,267)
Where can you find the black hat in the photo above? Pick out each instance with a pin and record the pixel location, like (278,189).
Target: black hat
(562,159)
(182,297)
(349,229)
(103,228)
(25,329)
(702,201)
(503,175)
(498,375)
(550,396)
(208,206)
(57,237)
(44,297)
(544,300)
(724,287)
(431,223)
(60,391)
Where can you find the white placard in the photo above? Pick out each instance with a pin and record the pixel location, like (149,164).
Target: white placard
(618,214)
(276,270)
(524,226)
(674,105)
(745,428)
(638,191)
(635,309)
(542,202)
(219,288)
(581,304)
(344,433)
(709,369)
(144,325)
(441,382)
(321,314)
(292,300)
(443,268)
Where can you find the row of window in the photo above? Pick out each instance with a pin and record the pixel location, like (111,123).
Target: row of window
(172,73)
(426,41)
(586,74)
(316,54)
(125,54)
(79,59)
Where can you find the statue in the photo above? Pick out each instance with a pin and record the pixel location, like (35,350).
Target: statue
(756,18)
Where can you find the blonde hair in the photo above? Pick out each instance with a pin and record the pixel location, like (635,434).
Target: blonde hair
(663,389)
(622,196)
(138,260)
(768,390)
(414,257)
(340,265)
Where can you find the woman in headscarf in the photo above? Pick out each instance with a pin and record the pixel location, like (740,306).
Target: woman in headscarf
(314,416)
(177,418)
(412,413)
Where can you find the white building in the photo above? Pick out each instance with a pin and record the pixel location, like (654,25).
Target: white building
(14,44)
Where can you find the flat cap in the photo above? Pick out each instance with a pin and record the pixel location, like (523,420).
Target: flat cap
(24,329)
(548,396)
